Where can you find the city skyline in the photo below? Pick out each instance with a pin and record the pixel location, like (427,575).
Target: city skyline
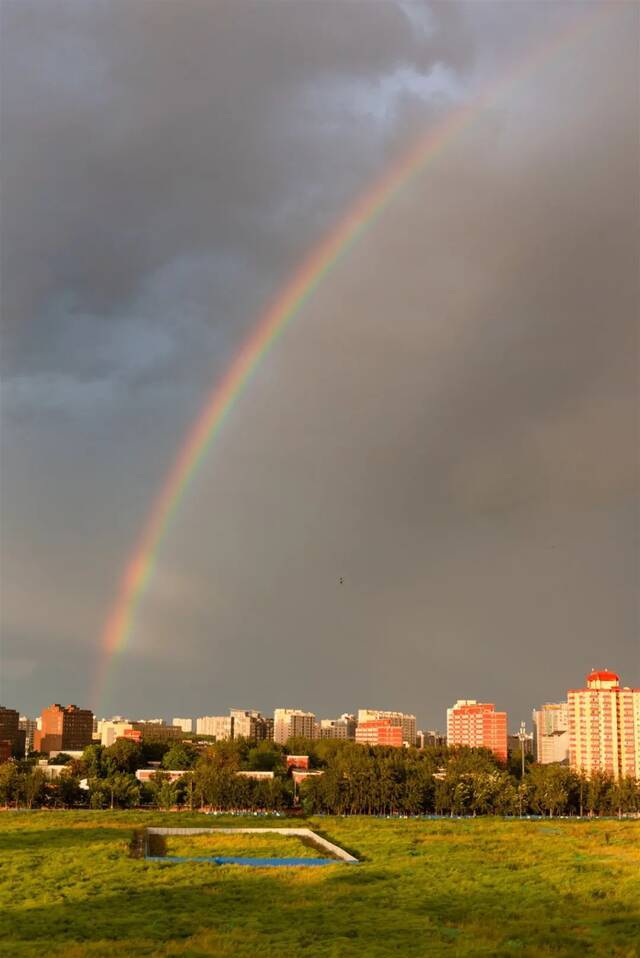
(430,481)
(532,713)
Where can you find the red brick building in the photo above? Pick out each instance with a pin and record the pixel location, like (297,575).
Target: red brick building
(478,725)
(379,732)
(64,728)
(10,730)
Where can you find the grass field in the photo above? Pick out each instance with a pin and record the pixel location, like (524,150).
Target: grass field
(68,887)
(245,846)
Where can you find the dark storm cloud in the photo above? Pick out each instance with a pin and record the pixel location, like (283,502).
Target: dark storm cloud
(137,136)
(451,425)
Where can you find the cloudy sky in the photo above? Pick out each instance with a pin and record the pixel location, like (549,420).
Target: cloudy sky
(450,424)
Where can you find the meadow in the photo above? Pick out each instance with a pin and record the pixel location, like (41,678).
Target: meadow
(484,887)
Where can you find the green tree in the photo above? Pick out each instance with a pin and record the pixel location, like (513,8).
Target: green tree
(179,757)
(9,783)
(124,755)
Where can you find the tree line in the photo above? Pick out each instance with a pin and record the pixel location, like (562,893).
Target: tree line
(356,780)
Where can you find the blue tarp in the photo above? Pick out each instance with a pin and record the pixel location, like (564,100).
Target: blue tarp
(255,862)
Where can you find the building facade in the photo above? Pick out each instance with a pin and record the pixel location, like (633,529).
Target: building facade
(28,726)
(604,726)
(477,725)
(186,724)
(379,732)
(551,733)
(341,728)
(404,720)
(64,728)
(293,723)
(251,725)
(10,731)
(219,726)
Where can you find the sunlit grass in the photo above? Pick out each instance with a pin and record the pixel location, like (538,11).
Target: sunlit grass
(425,888)
(244,846)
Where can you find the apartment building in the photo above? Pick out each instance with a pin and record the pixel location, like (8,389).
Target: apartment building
(404,720)
(551,733)
(293,723)
(477,725)
(379,732)
(604,726)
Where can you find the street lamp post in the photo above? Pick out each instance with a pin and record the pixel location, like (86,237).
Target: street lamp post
(522,736)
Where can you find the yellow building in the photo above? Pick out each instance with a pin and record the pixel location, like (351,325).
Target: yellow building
(604,726)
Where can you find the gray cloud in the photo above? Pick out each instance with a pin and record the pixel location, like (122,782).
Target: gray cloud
(450,425)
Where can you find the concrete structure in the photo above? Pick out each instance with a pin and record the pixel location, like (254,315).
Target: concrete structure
(64,727)
(406,722)
(219,726)
(10,731)
(551,733)
(341,728)
(258,776)
(430,738)
(111,729)
(294,723)
(5,750)
(477,725)
(251,725)
(147,774)
(334,850)
(153,730)
(186,724)
(379,732)
(604,726)
(29,727)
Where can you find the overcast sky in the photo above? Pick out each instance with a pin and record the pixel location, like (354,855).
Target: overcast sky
(450,424)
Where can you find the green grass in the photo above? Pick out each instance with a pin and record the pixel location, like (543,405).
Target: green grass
(462,888)
(244,846)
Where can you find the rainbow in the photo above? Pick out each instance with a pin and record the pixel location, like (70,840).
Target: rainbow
(288,304)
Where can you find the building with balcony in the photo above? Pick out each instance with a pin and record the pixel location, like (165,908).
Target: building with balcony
(604,726)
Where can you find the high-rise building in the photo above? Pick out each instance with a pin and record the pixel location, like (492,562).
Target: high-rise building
(379,732)
(219,726)
(430,738)
(10,731)
(342,728)
(186,724)
(477,725)
(604,726)
(551,733)
(28,726)
(515,743)
(250,725)
(406,722)
(293,723)
(64,728)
